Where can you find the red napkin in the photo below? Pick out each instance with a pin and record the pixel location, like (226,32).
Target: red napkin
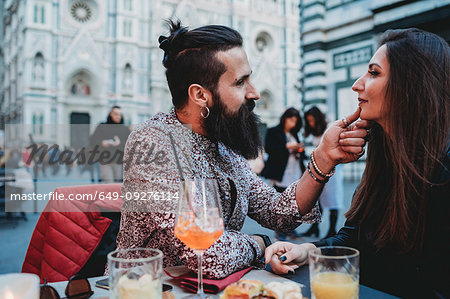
(189,281)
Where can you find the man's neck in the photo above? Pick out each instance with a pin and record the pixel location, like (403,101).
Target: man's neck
(187,118)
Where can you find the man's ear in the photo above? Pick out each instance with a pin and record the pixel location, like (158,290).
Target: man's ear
(199,95)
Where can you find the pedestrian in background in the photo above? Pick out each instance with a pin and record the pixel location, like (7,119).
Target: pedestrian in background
(284,165)
(333,192)
(111,137)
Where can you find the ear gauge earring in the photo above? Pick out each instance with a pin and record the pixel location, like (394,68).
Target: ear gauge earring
(204,114)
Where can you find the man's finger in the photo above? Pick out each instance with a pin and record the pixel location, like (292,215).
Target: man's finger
(363,124)
(352,149)
(352,142)
(269,253)
(351,118)
(359,133)
(274,250)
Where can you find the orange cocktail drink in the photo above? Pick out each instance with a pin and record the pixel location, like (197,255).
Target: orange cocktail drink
(193,236)
(199,221)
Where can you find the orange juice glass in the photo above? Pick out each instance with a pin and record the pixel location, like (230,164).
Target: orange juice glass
(334,272)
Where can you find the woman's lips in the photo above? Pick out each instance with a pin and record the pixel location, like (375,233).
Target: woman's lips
(361,101)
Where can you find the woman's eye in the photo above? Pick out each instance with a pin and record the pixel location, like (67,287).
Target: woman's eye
(374,73)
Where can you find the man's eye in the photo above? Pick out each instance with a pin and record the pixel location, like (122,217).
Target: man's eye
(240,82)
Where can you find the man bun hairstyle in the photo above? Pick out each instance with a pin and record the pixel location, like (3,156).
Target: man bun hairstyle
(190,57)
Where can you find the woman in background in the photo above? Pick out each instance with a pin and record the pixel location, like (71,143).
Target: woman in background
(286,154)
(333,192)
(399,218)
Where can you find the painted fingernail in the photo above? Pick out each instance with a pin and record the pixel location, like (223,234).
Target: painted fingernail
(283,258)
(291,272)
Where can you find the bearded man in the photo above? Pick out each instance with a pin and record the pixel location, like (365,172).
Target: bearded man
(210,133)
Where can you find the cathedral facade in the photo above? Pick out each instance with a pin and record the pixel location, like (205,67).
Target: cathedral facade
(70,61)
(338,38)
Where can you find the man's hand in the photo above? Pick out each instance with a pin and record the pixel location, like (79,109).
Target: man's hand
(342,143)
(284,256)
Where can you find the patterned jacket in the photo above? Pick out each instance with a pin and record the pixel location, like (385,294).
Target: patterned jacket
(162,150)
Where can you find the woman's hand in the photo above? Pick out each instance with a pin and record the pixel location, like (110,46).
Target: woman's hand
(342,142)
(294,146)
(284,256)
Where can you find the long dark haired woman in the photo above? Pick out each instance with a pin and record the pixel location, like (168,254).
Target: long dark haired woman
(399,218)
(286,154)
(315,122)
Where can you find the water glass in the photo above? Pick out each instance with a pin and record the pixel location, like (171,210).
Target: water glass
(135,273)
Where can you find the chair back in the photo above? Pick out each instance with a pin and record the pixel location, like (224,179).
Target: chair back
(69,232)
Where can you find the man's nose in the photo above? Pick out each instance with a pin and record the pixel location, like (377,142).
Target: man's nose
(253,93)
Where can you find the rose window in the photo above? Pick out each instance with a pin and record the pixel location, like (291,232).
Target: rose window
(81,11)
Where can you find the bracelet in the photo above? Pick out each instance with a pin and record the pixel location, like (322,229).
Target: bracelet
(314,177)
(265,238)
(320,172)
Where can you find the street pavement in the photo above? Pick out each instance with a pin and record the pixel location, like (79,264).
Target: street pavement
(15,234)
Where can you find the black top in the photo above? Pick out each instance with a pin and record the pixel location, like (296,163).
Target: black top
(106,131)
(275,146)
(424,276)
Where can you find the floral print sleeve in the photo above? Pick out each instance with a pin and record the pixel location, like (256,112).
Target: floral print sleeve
(163,151)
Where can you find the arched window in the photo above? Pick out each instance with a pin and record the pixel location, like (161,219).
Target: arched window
(38,68)
(127,77)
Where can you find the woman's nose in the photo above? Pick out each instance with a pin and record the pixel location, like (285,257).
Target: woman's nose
(358,85)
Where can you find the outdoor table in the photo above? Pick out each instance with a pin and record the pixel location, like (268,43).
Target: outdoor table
(301,276)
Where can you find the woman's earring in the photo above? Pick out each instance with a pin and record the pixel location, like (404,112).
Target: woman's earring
(204,115)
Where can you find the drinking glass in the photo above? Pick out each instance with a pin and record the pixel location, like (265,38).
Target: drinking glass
(135,273)
(334,272)
(199,221)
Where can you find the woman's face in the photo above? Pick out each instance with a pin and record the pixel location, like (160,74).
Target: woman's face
(311,121)
(290,123)
(371,87)
(116,115)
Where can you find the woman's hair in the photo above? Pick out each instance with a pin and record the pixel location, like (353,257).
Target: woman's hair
(394,193)
(190,57)
(290,112)
(320,124)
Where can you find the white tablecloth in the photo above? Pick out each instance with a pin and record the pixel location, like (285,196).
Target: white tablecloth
(261,275)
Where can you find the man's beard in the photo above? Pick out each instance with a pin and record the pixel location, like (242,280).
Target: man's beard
(238,131)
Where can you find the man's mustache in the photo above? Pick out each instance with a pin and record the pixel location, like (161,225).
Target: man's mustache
(250,105)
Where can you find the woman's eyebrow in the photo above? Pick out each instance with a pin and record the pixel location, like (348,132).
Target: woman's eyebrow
(372,64)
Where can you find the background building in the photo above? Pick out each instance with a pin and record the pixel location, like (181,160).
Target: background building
(69,61)
(338,38)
